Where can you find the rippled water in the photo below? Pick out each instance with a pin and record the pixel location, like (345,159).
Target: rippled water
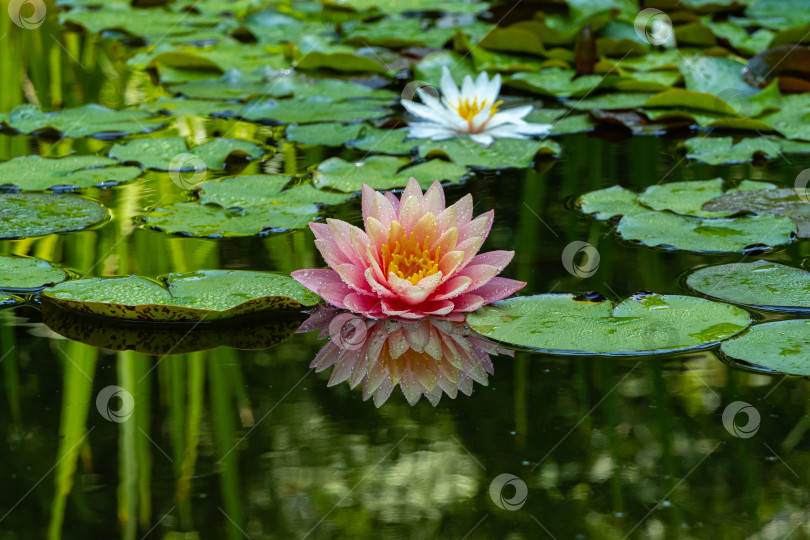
(229,443)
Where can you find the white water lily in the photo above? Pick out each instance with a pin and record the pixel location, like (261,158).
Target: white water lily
(471,110)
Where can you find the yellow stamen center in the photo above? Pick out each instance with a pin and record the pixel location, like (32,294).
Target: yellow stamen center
(468,111)
(406,257)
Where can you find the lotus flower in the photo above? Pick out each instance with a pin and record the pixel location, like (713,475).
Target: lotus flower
(427,358)
(416,258)
(472,110)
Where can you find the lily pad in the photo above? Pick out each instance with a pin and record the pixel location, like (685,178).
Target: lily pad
(405,6)
(610,202)
(329,134)
(777,202)
(761,284)
(717,150)
(206,295)
(314,109)
(649,323)
(688,197)
(264,189)
(33,214)
(163,339)
(559,82)
(721,235)
(386,141)
(28,273)
(777,346)
(85,121)
(382,173)
(501,154)
(194,219)
(172,153)
(35,173)
(429,69)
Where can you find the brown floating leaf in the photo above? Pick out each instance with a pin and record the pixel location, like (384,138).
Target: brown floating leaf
(778,202)
(585,51)
(791,63)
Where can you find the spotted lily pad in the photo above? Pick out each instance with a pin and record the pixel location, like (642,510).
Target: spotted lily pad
(503,153)
(206,295)
(194,219)
(762,284)
(383,172)
(163,339)
(172,153)
(776,346)
(663,229)
(35,173)
(35,214)
(777,202)
(559,323)
(85,121)
(28,273)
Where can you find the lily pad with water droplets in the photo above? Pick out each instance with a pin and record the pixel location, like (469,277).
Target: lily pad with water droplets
(761,284)
(28,273)
(717,150)
(561,324)
(194,219)
(172,153)
(721,235)
(501,154)
(265,190)
(780,346)
(85,121)
(382,173)
(33,214)
(35,173)
(206,295)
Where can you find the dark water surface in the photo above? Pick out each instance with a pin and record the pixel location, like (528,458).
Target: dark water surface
(229,443)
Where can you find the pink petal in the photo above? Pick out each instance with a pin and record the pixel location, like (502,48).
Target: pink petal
(313,278)
(335,293)
(494,258)
(379,289)
(362,304)
(499,288)
(464,207)
(355,278)
(414,294)
(480,226)
(468,302)
(450,262)
(452,288)
(410,210)
(412,191)
(434,199)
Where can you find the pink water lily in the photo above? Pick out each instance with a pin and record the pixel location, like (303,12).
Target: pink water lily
(415,259)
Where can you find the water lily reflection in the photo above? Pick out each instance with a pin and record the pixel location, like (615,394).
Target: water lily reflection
(429,357)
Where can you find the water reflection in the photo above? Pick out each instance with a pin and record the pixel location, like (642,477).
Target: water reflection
(427,358)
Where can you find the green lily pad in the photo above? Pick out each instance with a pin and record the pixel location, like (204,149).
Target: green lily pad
(559,82)
(28,273)
(7,300)
(561,324)
(503,153)
(236,85)
(717,150)
(382,173)
(719,235)
(688,198)
(328,134)
(793,118)
(85,121)
(184,106)
(429,69)
(168,339)
(777,202)
(206,295)
(314,109)
(151,25)
(398,33)
(386,141)
(33,214)
(319,54)
(614,100)
(207,221)
(172,153)
(610,202)
(717,76)
(35,173)
(394,7)
(777,346)
(761,284)
(264,189)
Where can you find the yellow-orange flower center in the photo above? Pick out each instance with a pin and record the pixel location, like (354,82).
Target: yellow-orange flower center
(408,258)
(468,110)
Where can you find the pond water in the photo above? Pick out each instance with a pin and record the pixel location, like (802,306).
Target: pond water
(236,443)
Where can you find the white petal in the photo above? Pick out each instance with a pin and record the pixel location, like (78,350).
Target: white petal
(448,86)
(425,130)
(468,89)
(540,130)
(417,109)
(482,138)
